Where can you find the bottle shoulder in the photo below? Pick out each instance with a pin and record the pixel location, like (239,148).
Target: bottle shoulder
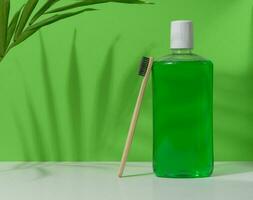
(171,58)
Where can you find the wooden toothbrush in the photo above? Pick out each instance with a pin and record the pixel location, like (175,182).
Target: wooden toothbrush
(145,69)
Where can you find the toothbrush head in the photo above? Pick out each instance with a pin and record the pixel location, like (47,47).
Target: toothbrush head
(144,65)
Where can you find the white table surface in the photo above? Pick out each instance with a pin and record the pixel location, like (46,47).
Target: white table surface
(89,181)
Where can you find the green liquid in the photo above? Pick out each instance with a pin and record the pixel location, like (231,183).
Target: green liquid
(183,116)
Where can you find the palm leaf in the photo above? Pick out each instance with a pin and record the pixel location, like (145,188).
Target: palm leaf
(42,10)
(56,18)
(77,5)
(12,26)
(24,35)
(18,26)
(92,2)
(131,1)
(4,15)
(26,13)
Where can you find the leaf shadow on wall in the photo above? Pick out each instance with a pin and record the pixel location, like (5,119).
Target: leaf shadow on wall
(36,150)
(73,91)
(21,133)
(109,135)
(37,131)
(40,169)
(39,146)
(75,104)
(104,91)
(50,102)
(107,105)
(233,112)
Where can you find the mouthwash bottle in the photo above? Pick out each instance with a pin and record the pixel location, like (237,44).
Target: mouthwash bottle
(182,109)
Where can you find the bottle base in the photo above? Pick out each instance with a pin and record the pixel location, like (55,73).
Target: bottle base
(195,174)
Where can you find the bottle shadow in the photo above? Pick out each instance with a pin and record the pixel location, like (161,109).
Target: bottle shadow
(233,116)
(233,111)
(232,168)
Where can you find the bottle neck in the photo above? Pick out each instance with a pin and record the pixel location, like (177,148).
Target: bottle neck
(181,51)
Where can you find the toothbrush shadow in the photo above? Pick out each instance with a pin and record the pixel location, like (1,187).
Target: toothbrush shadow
(129,87)
(137,175)
(230,168)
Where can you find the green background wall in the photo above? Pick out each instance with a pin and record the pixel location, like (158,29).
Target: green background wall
(68,92)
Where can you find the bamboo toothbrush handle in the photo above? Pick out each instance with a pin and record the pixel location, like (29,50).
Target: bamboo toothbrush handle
(134,118)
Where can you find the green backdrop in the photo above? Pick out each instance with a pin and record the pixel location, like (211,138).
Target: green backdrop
(68,92)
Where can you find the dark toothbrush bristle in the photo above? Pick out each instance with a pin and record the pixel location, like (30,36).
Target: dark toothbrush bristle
(143,66)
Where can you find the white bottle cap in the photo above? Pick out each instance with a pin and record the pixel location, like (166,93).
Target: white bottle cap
(181,34)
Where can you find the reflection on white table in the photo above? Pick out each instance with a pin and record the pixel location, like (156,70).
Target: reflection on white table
(95,181)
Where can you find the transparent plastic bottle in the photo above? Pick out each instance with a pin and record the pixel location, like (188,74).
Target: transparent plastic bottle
(182,114)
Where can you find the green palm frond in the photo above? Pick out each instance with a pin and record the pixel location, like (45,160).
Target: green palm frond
(42,10)
(26,13)
(82,3)
(13,25)
(77,5)
(25,22)
(4,16)
(56,18)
